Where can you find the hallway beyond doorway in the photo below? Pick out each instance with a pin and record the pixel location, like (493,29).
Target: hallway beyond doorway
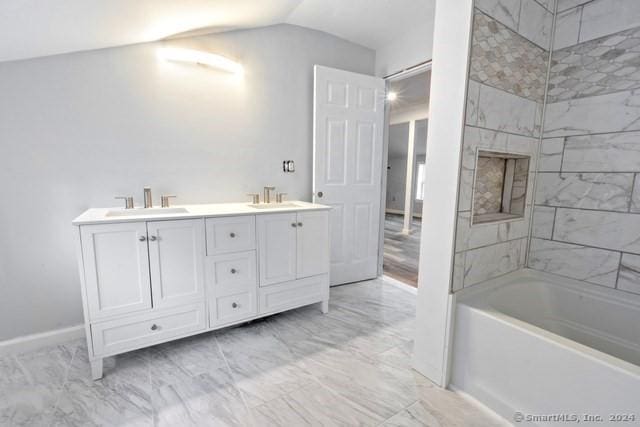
(401,251)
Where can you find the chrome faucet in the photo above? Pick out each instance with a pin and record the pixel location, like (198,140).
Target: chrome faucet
(267,194)
(148,200)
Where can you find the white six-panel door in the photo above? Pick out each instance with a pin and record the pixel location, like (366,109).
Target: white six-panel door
(116,265)
(176,257)
(348,136)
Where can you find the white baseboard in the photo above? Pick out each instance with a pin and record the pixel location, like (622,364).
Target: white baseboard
(500,420)
(401,285)
(36,341)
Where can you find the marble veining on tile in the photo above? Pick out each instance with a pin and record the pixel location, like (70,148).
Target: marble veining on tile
(602,191)
(503,111)
(492,261)
(612,152)
(505,60)
(543,218)
(597,67)
(592,265)
(614,112)
(349,367)
(507,12)
(607,230)
(629,276)
(601,18)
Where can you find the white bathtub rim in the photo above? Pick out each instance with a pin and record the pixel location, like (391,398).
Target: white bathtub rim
(470,295)
(558,340)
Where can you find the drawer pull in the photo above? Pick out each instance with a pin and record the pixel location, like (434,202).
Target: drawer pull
(293,224)
(153,238)
(142,238)
(234,271)
(154,327)
(234,305)
(232,235)
(299,224)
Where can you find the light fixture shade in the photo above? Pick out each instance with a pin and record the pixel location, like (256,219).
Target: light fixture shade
(199,57)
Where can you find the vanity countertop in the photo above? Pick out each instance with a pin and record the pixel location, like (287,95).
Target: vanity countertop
(115,215)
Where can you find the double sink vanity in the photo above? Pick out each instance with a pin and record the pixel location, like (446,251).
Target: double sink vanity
(151,275)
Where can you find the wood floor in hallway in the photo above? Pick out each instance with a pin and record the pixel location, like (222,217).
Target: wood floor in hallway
(401,251)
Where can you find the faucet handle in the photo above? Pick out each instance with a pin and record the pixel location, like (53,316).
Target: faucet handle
(280,197)
(128,201)
(164,200)
(255,198)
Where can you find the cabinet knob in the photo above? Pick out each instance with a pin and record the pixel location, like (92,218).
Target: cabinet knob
(142,238)
(153,238)
(154,327)
(293,224)
(234,305)
(234,271)
(299,224)
(232,235)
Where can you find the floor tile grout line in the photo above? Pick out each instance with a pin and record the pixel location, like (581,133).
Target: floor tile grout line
(401,410)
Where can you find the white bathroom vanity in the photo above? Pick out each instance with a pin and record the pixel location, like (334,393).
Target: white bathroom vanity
(155,275)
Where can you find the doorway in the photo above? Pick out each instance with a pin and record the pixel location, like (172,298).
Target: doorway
(407,121)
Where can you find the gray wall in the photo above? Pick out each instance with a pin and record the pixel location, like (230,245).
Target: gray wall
(587,213)
(507,77)
(77,129)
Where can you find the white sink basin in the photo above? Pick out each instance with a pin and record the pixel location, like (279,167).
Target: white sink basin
(146,211)
(274,206)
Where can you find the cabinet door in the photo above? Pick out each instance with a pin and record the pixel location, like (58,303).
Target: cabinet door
(116,268)
(313,244)
(277,247)
(176,257)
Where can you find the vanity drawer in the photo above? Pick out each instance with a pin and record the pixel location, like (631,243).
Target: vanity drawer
(288,295)
(117,336)
(232,308)
(230,274)
(230,234)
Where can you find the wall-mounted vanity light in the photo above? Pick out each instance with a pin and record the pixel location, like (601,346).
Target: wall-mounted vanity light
(199,57)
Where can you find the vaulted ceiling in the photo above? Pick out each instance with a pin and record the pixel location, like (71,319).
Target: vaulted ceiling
(33,28)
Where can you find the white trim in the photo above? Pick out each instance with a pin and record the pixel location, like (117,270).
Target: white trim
(400,285)
(481,406)
(36,341)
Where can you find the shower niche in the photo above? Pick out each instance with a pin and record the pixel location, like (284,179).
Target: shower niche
(500,186)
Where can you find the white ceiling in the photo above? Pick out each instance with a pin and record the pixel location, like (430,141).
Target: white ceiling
(371,23)
(411,92)
(32,28)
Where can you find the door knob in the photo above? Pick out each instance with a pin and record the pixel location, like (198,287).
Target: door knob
(293,224)
(142,238)
(232,235)
(234,271)
(320,194)
(299,224)
(234,305)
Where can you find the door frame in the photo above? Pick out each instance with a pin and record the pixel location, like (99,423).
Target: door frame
(400,75)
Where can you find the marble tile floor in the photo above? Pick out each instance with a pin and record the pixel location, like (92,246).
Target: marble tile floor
(350,367)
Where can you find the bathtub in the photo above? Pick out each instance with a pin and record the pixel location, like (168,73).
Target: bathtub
(543,350)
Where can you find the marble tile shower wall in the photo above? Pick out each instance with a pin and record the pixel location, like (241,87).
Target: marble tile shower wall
(586,222)
(507,77)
